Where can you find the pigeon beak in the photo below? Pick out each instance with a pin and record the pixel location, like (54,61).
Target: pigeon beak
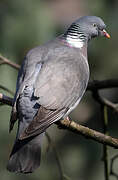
(105,33)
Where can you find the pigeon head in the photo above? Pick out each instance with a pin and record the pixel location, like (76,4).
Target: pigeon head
(84,29)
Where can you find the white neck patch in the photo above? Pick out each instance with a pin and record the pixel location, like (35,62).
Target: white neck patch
(75,42)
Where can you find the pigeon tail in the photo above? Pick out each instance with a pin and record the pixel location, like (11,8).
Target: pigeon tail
(26,155)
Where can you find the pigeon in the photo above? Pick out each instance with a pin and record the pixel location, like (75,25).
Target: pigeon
(51,82)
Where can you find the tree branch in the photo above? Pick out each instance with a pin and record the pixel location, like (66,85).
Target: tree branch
(4,60)
(104,101)
(88,133)
(6,100)
(76,128)
(104,84)
(6,89)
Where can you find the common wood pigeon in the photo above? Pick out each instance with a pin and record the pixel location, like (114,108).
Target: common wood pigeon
(51,82)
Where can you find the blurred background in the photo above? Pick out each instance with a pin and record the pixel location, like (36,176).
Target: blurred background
(29,23)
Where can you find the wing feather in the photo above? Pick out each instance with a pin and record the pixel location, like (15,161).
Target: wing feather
(42,121)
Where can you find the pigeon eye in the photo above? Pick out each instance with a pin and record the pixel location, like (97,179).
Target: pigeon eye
(94,25)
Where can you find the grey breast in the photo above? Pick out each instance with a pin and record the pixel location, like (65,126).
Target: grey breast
(63,78)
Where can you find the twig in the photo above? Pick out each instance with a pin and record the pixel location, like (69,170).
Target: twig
(62,174)
(6,100)
(104,84)
(2,104)
(4,60)
(105,148)
(111,167)
(104,101)
(6,89)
